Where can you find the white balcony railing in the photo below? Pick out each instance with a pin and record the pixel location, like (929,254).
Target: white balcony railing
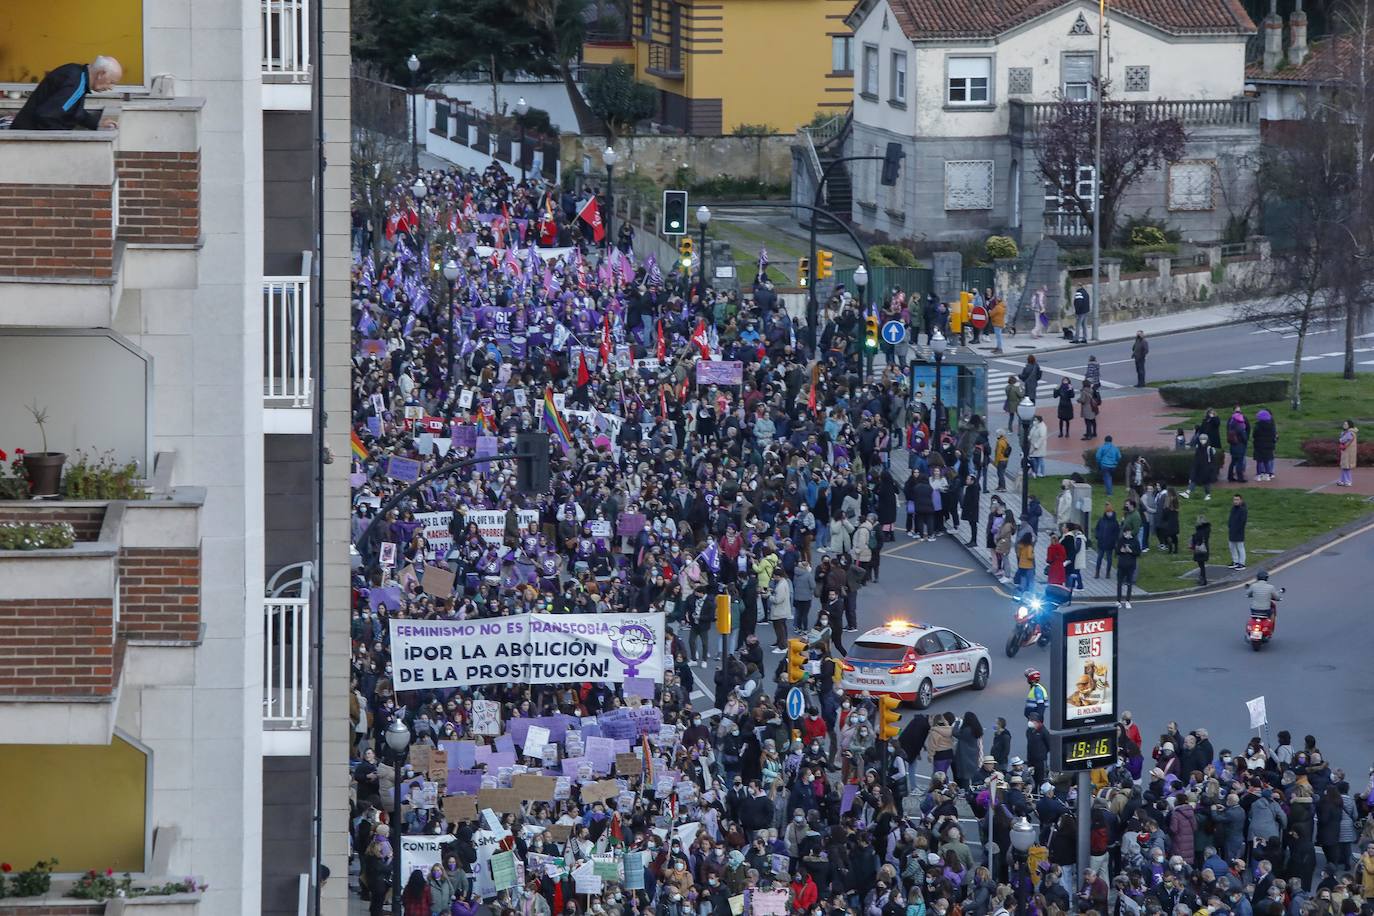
(288,381)
(286,663)
(286,38)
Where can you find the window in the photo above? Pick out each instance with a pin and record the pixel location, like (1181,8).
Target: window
(1077,73)
(842,54)
(1192,185)
(647,18)
(1138,79)
(1019,80)
(929,644)
(968,184)
(897,89)
(968,80)
(950,642)
(870,84)
(1061,213)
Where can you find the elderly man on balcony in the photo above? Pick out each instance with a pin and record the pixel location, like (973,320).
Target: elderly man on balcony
(59,101)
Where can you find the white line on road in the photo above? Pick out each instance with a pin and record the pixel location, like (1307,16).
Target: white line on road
(1064,372)
(1251,368)
(1228,372)
(1282,362)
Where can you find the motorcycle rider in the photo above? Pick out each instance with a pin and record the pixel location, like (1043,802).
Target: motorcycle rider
(1263,596)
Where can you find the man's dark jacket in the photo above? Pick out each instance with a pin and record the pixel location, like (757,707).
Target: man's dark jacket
(59,102)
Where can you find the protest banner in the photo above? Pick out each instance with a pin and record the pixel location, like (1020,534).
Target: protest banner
(459,808)
(421,852)
(491,523)
(720,372)
(533,649)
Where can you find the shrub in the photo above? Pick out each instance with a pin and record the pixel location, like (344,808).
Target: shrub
(102,478)
(1166,464)
(891,256)
(729,186)
(753,130)
(33,882)
(33,536)
(1000,246)
(1224,391)
(1326,452)
(1147,235)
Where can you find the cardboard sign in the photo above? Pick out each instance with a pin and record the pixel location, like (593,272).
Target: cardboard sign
(561,833)
(628,765)
(438,582)
(532,788)
(601,791)
(438,765)
(502,801)
(459,808)
(486,717)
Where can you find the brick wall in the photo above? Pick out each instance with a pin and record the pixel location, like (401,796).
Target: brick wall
(86,520)
(57,647)
(159,196)
(93,908)
(56,231)
(159,593)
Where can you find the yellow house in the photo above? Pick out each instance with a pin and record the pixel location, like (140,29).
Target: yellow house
(718,64)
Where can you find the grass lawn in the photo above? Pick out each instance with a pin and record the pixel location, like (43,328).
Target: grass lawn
(746,239)
(1279,520)
(1327,399)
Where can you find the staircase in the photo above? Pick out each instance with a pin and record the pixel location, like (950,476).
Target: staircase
(821,146)
(1044,271)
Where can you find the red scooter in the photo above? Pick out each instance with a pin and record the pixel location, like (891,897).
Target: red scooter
(1260,628)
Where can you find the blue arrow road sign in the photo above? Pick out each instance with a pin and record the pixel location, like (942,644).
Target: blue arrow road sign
(894,332)
(796,703)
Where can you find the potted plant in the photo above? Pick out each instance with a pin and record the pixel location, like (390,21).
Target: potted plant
(43,468)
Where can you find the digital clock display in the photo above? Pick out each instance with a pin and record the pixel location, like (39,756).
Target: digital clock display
(1088,750)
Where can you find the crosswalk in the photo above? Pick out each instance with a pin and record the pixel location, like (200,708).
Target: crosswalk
(1285,363)
(999,370)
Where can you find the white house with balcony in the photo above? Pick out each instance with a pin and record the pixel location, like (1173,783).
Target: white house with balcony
(964,85)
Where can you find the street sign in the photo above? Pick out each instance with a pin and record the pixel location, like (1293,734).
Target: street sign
(978,317)
(796,704)
(894,332)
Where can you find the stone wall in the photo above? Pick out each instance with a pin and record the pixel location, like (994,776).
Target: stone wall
(658,158)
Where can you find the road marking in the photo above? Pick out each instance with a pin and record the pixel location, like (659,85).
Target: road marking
(1251,368)
(1281,362)
(943,579)
(1228,372)
(1310,333)
(1064,372)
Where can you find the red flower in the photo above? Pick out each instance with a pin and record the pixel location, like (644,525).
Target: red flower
(3,456)
(108,872)
(19,451)
(6,867)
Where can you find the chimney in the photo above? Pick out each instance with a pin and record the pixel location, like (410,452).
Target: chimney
(1297,35)
(1273,38)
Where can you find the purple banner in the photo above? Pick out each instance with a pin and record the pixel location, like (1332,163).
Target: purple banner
(720,372)
(374,427)
(631,723)
(557,726)
(629,524)
(464,781)
(486,447)
(464,435)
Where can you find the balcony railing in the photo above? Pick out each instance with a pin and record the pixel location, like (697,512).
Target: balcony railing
(286,38)
(286,663)
(666,59)
(1189,112)
(288,381)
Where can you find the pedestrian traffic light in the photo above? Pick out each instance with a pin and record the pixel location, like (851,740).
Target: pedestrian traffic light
(825,264)
(889,719)
(803,271)
(723,615)
(532,465)
(871,332)
(892,164)
(796,660)
(685,248)
(674,212)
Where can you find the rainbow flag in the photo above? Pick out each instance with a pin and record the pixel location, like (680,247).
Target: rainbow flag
(359,450)
(554,421)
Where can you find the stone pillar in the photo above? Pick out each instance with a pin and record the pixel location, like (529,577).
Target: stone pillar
(1213,253)
(1112,267)
(1008,281)
(1297,35)
(1259,244)
(1164,286)
(1273,38)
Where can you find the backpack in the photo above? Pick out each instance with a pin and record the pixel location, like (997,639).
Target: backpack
(1098,839)
(872,539)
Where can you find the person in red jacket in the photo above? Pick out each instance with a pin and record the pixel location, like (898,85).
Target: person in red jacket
(813,726)
(1055,557)
(804,893)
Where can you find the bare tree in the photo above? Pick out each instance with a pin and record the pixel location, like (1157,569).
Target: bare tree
(381,149)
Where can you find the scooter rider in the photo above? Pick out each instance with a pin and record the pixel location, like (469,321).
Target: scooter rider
(1263,596)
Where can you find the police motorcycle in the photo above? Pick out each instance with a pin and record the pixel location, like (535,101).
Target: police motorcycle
(1032,618)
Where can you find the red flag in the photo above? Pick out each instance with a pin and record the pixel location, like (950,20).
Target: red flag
(583,376)
(591,215)
(662,404)
(699,338)
(606,339)
(811,399)
(662,349)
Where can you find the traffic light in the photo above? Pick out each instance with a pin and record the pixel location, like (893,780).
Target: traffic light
(685,248)
(674,212)
(723,615)
(825,264)
(796,660)
(892,164)
(889,719)
(532,467)
(803,272)
(871,332)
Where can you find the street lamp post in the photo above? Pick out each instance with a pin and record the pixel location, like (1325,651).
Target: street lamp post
(1097,168)
(450,275)
(938,345)
(861,281)
(703,217)
(522,108)
(610,157)
(1025,412)
(419,189)
(398,742)
(413,65)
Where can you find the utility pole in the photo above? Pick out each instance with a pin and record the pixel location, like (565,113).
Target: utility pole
(1097,168)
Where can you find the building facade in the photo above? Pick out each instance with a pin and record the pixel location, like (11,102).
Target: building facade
(166,290)
(963,88)
(719,65)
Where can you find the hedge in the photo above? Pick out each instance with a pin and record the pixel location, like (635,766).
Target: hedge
(1326,452)
(1167,465)
(1224,391)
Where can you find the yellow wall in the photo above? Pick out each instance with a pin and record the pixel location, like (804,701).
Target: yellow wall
(37,36)
(81,804)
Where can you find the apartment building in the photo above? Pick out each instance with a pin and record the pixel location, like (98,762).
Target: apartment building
(173,292)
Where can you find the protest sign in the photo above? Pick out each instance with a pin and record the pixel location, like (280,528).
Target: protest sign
(503,870)
(627,723)
(586,880)
(372,347)
(600,527)
(640,687)
(438,582)
(628,764)
(421,852)
(533,788)
(634,871)
(459,808)
(629,524)
(406,470)
(601,752)
(387,555)
(606,866)
(438,764)
(601,791)
(503,801)
(534,649)
(427,796)
(768,903)
(560,832)
(536,736)
(488,843)
(486,717)
(419,755)
(720,372)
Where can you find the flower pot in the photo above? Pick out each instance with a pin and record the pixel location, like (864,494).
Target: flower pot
(45,472)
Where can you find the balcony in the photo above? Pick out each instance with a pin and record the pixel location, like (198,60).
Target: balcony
(1031,116)
(85,214)
(665,59)
(288,380)
(287,662)
(286,37)
(120,605)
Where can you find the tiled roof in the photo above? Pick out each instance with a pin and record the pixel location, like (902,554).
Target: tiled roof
(927,19)
(1327,61)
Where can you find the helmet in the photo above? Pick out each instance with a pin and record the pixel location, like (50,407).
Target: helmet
(1032,675)
(1262,575)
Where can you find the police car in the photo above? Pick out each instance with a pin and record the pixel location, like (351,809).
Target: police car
(913,661)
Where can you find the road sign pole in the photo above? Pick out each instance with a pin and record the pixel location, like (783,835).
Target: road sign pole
(1085,815)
